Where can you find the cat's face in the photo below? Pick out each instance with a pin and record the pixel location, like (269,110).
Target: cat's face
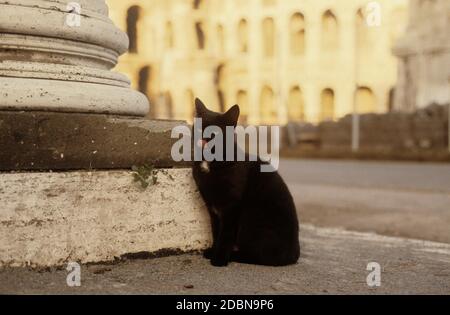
(210,118)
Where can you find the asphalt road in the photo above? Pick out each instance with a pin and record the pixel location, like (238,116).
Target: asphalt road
(390,198)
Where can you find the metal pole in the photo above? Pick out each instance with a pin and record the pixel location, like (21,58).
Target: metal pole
(355,115)
(355,125)
(448,118)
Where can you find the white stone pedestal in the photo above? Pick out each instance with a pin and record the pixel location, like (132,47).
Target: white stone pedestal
(53,59)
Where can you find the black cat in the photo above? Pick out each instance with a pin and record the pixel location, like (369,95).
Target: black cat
(253,216)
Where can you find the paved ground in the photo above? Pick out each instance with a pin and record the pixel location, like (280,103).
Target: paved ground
(389,198)
(403,199)
(333,262)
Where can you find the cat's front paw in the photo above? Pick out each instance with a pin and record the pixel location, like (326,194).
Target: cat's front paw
(219,262)
(208,254)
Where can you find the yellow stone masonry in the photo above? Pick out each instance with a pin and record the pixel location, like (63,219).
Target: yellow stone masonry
(281,60)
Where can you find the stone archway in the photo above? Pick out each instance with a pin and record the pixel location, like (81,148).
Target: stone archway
(133,15)
(365,100)
(297,33)
(145,77)
(296,106)
(327,106)
(268,39)
(243,102)
(169,36)
(200,35)
(243,35)
(330,31)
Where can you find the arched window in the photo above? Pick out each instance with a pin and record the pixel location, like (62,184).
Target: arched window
(221,38)
(189,105)
(219,80)
(297,34)
(243,36)
(133,15)
(330,31)
(365,100)
(327,105)
(365,36)
(242,101)
(144,80)
(269,113)
(198,4)
(391,99)
(296,106)
(144,86)
(169,36)
(201,37)
(268,37)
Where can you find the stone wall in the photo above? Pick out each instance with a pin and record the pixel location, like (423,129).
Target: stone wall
(424,129)
(422,134)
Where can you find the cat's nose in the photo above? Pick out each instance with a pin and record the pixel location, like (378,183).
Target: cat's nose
(202,143)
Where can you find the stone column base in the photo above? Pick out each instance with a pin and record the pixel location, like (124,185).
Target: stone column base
(42,141)
(50,219)
(54,208)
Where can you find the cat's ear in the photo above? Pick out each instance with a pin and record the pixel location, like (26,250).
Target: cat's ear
(200,108)
(232,115)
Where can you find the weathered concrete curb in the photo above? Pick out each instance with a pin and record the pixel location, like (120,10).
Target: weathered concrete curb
(49,219)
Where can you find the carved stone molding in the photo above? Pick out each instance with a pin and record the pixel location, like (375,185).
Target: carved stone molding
(49,64)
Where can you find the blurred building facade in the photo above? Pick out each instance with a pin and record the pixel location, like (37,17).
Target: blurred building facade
(424,52)
(280,60)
